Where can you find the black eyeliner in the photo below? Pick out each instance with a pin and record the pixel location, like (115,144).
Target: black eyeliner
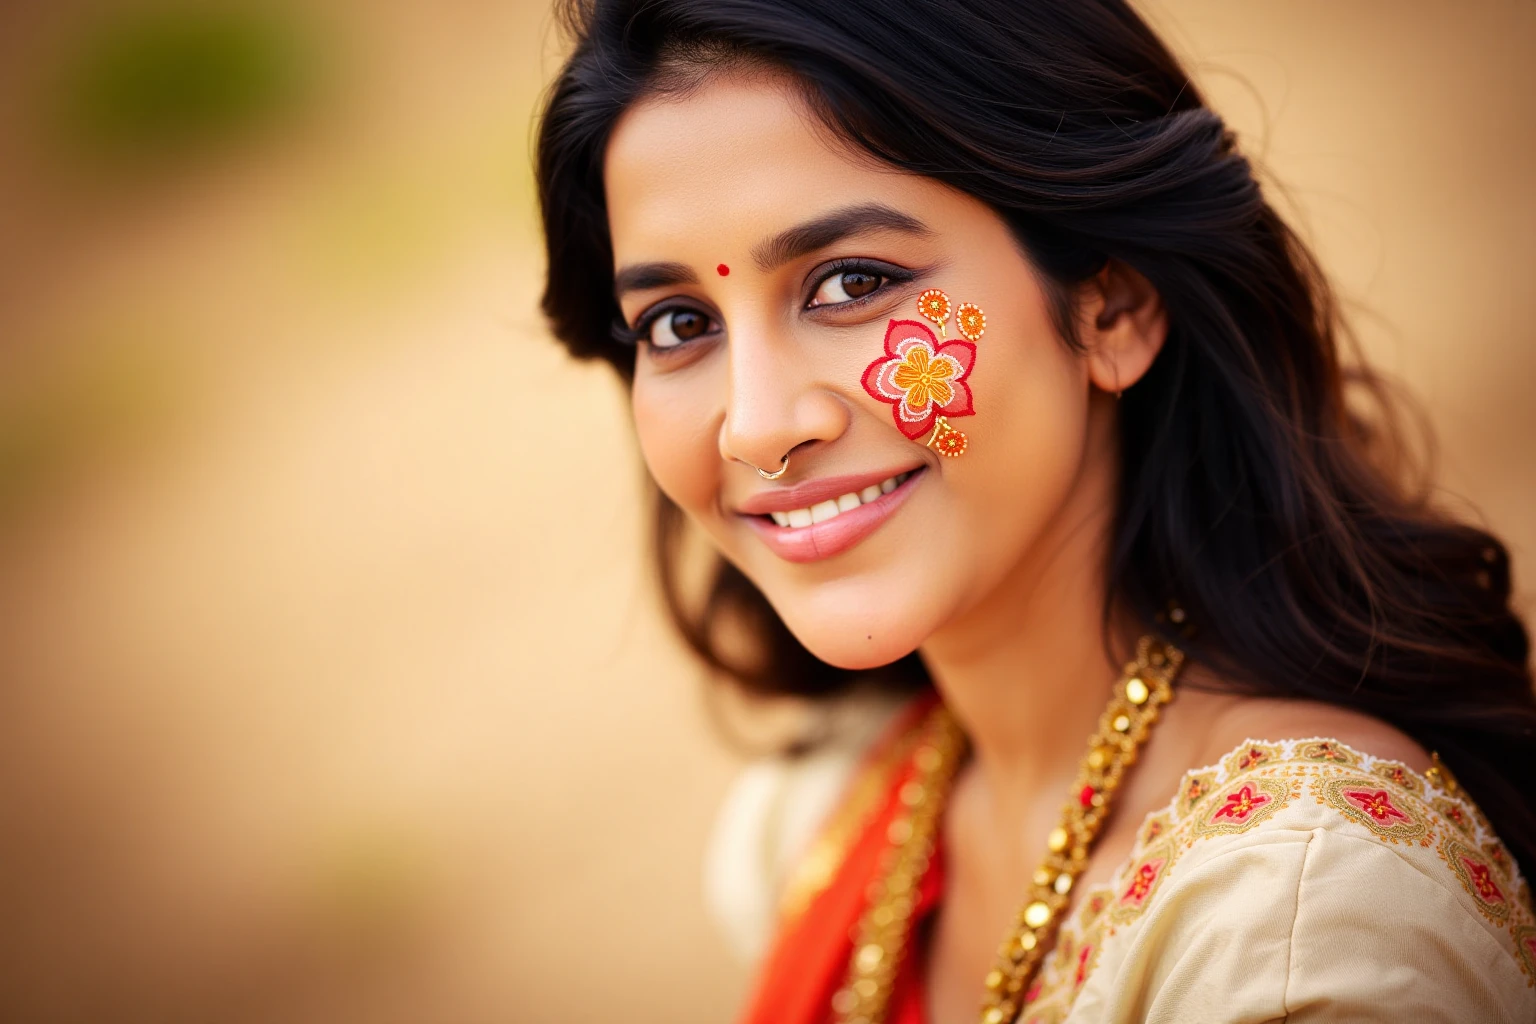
(875,268)
(633,336)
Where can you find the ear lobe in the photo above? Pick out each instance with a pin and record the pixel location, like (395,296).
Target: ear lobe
(1123,326)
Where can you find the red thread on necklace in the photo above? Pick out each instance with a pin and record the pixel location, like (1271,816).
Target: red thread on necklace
(722,270)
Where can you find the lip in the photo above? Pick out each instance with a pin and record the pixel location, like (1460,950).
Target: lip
(824,540)
(787,499)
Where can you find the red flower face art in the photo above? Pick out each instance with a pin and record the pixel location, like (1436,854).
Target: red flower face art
(922,378)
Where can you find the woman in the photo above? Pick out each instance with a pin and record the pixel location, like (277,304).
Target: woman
(964,334)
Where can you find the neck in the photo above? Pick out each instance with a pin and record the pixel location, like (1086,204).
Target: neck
(1025,669)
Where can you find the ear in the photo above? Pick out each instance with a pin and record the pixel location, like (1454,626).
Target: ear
(1122,324)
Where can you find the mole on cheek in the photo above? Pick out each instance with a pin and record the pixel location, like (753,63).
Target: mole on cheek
(722,270)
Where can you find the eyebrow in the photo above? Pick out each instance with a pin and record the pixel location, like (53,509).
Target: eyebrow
(833,227)
(789,244)
(640,276)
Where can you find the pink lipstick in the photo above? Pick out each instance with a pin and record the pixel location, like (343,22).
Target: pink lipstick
(822,518)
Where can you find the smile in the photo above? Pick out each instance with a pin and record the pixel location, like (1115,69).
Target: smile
(830,509)
(822,525)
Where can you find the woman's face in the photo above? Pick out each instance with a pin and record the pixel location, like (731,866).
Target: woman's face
(760,261)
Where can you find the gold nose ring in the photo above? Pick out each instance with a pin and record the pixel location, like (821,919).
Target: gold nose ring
(784,468)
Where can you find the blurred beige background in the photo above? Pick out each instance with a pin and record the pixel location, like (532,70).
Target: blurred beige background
(328,695)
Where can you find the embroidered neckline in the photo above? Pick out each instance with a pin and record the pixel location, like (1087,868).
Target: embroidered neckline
(1255,781)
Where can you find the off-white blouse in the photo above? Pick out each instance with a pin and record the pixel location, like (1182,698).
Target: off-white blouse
(1295,880)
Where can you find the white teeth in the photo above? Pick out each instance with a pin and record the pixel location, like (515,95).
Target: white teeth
(823,510)
(830,509)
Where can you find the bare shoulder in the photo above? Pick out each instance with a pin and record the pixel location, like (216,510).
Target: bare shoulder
(1263,718)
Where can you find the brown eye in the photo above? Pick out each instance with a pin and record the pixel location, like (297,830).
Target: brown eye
(846,286)
(856,284)
(673,328)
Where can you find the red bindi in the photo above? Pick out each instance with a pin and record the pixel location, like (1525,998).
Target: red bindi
(722,270)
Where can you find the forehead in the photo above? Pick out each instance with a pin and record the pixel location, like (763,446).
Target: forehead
(740,156)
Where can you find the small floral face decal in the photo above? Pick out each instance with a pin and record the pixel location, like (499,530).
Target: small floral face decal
(934,305)
(947,440)
(971,321)
(921,377)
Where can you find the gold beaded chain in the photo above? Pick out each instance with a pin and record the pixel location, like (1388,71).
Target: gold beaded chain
(1123,727)
(883,930)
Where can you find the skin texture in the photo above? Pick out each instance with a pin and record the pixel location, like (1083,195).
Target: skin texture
(993,565)
(782,378)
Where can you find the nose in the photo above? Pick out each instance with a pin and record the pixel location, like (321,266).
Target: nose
(775,404)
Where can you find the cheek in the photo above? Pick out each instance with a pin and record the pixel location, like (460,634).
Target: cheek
(677,430)
(1031,441)
(1044,412)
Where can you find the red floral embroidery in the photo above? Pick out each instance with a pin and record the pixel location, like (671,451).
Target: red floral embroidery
(1192,790)
(1082,965)
(1241,804)
(1325,752)
(1525,949)
(920,377)
(1252,757)
(1405,814)
(1482,881)
(1377,804)
(1141,882)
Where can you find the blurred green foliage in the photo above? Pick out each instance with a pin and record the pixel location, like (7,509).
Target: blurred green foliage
(91,400)
(154,84)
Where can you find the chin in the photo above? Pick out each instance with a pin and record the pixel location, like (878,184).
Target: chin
(856,625)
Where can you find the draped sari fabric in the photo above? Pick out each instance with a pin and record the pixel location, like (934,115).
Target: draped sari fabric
(808,961)
(1294,879)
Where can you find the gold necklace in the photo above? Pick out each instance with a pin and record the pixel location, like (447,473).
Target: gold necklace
(884,928)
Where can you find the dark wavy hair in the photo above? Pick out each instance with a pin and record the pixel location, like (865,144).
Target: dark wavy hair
(1249,487)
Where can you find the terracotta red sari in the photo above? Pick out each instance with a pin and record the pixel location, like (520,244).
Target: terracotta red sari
(808,961)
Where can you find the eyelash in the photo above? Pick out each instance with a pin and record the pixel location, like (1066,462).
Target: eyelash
(875,268)
(632,336)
